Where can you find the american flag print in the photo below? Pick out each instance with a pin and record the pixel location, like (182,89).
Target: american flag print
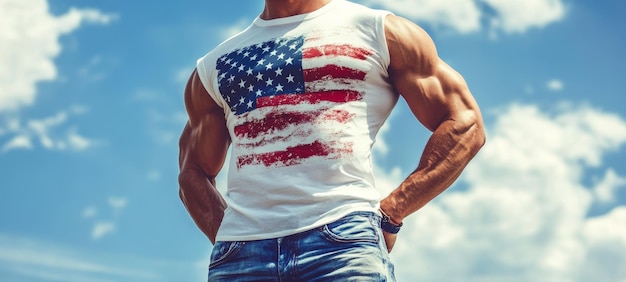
(289,96)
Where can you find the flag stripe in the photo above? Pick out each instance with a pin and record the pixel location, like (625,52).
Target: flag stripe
(335,96)
(333,72)
(295,154)
(336,50)
(277,121)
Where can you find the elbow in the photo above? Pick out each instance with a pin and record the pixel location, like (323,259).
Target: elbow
(471,125)
(481,138)
(478,135)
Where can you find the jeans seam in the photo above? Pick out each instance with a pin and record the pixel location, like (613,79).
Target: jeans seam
(232,250)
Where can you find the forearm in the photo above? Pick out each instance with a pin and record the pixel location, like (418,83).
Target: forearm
(450,148)
(203,202)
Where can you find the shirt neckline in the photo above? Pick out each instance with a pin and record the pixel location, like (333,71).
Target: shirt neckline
(297,18)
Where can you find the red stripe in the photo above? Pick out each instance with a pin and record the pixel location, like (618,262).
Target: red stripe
(329,72)
(294,155)
(336,50)
(334,96)
(276,121)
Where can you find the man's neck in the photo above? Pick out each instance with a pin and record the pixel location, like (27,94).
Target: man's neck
(275,9)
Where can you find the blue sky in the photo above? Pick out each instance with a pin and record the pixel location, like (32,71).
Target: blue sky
(91,108)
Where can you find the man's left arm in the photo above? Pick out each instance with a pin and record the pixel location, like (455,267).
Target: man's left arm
(440,99)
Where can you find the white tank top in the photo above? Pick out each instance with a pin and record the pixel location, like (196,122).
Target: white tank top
(304,97)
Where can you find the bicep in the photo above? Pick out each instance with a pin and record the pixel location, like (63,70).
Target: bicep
(433,90)
(442,96)
(205,139)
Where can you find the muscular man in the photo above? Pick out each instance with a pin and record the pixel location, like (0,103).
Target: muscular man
(300,94)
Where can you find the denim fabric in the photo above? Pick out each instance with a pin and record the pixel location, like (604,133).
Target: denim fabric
(350,249)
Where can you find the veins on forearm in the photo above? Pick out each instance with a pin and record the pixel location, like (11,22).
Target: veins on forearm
(446,154)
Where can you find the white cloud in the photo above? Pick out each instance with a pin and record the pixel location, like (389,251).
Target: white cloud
(465,16)
(154,175)
(605,190)
(182,75)
(555,85)
(89,212)
(48,131)
(517,16)
(605,237)
(18,142)
(523,216)
(228,31)
(30,42)
(118,204)
(78,142)
(101,229)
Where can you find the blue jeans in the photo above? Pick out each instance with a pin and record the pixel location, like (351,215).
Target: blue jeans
(349,249)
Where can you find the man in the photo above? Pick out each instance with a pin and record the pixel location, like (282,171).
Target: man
(301,94)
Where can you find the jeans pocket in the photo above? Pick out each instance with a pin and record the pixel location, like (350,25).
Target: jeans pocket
(222,251)
(352,228)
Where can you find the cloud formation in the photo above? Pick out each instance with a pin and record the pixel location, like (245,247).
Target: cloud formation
(48,132)
(555,85)
(466,16)
(30,42)
(523,213)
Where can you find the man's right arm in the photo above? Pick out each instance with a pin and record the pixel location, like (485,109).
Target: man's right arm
(203,146)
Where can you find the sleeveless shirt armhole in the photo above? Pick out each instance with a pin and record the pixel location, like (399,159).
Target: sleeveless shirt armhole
(382,38)
(204,75)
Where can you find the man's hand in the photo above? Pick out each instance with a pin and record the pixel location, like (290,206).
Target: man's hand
(390,240)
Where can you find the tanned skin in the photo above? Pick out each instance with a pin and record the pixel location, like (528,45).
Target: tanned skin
(437,95)
(203,147)
(441,100)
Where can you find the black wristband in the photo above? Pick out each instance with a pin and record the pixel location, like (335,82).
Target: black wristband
(388,226)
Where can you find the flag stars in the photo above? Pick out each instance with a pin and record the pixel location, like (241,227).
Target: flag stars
(262,70)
